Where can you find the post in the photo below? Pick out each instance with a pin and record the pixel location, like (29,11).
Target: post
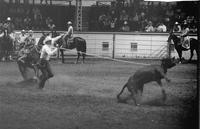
(113,50)
(169,48)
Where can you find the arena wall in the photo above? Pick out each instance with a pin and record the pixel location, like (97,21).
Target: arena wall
(127,45)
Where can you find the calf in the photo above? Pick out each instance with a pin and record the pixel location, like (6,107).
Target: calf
(147,74)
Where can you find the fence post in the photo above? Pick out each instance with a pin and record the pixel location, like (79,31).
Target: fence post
(169,49)
(113,51)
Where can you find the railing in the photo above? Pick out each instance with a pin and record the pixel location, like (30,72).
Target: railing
(125,45)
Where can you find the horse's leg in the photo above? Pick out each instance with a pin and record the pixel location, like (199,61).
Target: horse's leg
(22,70)
(180,55)
(162,90)
(78,56)
(191,54)
(83,54)
(62,56)
(36,70)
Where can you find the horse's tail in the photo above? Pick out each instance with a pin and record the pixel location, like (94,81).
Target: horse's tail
(118,96)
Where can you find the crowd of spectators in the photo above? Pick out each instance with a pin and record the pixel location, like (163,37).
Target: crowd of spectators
(35,17)
(139,16)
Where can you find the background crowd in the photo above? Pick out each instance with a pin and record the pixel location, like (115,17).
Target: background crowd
(119,16)
(142,16)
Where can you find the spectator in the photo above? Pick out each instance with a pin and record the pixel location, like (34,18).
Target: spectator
(51,27)
(125,27)
(161,28)
(134,22)
(123,16)
(107,22)
(177,27)
(102,19)
(27,22)
(48,20)
(149,27)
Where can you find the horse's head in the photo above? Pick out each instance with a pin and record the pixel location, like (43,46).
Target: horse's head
(172,36)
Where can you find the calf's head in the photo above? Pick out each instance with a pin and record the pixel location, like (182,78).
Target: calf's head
(168,62)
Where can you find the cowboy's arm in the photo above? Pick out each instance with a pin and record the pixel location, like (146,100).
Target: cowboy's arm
(185,32)
(55,39)
(51,52)
(48,51)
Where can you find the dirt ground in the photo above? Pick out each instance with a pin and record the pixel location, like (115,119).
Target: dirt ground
(83,96)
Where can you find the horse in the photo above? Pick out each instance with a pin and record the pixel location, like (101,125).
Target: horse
(77,43)
(179,48)
(32,59)
(6,45)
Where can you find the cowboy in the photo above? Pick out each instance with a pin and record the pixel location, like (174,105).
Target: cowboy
(47,50)
(69,34)
(185,41)
(22,38)
(8,37)
(30,40)
(176,27)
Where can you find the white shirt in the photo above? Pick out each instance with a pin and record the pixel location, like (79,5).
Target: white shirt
(48,50)
(162,28)
(22,38)
(70,31)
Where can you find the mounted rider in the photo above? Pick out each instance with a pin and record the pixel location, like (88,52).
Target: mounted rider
(185,40)
(22,38)
(68,35)
(30,39)
(29,42)
(48,49)
(8,29)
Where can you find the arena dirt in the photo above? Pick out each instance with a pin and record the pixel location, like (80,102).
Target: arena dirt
(83,96)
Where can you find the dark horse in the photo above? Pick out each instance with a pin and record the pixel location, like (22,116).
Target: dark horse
(6,45)
(77,43)
(179,48)
(32,59)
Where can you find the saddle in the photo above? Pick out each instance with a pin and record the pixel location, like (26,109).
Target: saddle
(186,43)
(70,41)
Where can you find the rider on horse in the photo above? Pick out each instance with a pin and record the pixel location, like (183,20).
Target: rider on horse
(47,50)
(185,41)
(8,28)
(68,35)
(22,38)
(29,42)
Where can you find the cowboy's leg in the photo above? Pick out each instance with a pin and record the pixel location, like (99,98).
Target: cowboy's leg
(50,74)
(43,77)
(63,40)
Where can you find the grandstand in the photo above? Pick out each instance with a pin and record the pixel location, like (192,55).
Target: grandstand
(100,15)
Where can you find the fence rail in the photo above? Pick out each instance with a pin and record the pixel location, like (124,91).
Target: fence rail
(125,45)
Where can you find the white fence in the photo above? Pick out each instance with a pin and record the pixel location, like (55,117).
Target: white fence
(127,45)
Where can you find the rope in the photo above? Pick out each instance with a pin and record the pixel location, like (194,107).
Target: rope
(108,58)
